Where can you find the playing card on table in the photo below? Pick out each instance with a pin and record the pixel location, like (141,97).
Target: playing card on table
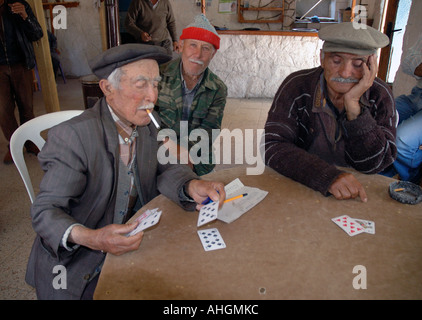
(207,213)
(349,225)
(211,239)
(146,220)
(369,226)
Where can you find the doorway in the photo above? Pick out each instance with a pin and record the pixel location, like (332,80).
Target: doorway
(395,22)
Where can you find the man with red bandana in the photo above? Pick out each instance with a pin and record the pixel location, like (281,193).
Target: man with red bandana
(190,93)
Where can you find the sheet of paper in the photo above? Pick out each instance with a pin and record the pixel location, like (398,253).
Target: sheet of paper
(233,210)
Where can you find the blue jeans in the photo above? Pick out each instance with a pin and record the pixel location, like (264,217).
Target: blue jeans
(409,136)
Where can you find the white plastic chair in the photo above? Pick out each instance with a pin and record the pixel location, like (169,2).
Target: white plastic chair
(31,130)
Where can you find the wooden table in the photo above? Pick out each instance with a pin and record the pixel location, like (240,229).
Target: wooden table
(286,247)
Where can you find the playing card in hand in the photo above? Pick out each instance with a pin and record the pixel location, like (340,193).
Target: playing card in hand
(146,220)
(211,239)
(349,225)
(207,213)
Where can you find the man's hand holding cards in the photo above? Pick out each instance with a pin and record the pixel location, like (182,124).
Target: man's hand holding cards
(147,219)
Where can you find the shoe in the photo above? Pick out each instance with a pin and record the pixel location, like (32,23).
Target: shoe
(31,148)
(8,158)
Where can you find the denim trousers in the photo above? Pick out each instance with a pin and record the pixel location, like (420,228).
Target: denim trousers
(409,136)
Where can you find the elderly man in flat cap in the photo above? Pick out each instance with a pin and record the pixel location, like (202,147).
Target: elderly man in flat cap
(190,94)
(100,168)
(335,115)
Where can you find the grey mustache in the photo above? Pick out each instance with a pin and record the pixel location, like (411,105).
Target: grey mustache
(345,80)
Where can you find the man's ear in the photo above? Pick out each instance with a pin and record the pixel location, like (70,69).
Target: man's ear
(106,87)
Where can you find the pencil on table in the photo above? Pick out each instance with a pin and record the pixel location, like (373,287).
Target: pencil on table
(237,197)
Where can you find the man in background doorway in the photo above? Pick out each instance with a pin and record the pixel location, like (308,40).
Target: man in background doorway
(152,22)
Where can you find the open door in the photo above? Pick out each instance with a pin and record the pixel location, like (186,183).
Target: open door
(396,16)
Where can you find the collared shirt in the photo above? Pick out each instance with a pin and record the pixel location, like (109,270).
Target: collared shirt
(127,139)
(154,5)
(325,102)
(127,142)
(188,95)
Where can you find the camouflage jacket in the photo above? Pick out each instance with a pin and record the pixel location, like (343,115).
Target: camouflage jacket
(206,111)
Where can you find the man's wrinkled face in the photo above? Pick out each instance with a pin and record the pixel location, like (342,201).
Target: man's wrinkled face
(342,71)
(137,91)
(196,56)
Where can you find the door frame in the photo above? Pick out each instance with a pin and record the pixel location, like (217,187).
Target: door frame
(389,23)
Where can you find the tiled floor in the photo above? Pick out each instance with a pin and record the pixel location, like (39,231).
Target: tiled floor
(16,234)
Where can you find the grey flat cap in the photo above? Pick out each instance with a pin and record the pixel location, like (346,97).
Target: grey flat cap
(352,38)
(106,62)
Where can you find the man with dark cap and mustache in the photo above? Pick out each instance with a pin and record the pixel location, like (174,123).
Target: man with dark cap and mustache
(336,115)
(100,168)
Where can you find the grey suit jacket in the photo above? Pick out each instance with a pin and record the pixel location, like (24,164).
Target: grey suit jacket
(80,160)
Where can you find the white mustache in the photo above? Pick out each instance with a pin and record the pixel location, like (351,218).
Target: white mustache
(344,80)
(148,106)
(197,61)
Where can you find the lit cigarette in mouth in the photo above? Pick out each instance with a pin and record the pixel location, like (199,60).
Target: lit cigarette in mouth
(153,119)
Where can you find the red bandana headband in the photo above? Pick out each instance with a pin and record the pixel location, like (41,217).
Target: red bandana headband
(201,34)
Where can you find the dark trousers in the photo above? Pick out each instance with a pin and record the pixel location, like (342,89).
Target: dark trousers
(15,90)
(88,293)
(166,44)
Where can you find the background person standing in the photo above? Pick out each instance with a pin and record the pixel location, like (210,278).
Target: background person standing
(152,22)
(18,28)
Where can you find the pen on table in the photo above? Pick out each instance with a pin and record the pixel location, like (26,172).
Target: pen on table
(237,197)
(208,200)
(153,119)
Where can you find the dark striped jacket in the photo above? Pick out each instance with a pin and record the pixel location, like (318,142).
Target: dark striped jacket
(300,132)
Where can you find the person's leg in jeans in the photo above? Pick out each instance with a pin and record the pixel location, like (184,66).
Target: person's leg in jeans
(409,148)
(409,105)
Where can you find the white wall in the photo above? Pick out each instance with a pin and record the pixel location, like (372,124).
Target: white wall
(255,66)
(81,40)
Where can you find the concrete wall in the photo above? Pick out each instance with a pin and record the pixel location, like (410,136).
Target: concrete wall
(255,66)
